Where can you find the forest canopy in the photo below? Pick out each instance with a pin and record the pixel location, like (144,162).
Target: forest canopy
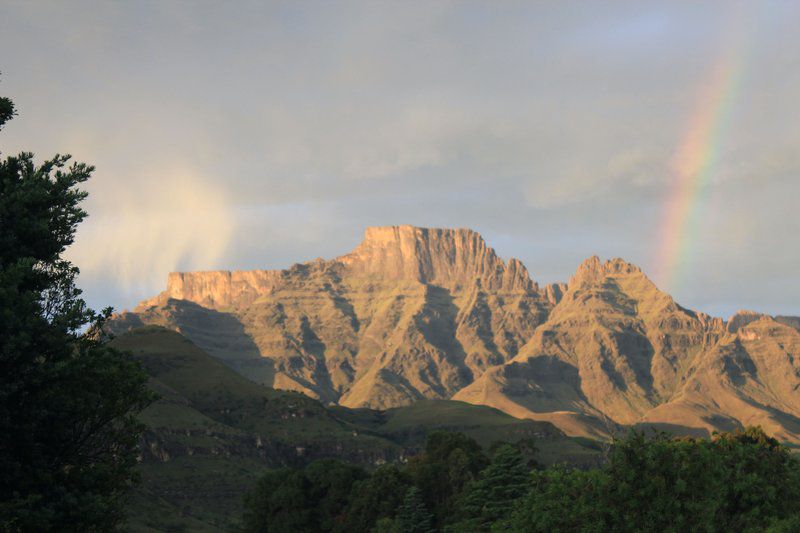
(739,481)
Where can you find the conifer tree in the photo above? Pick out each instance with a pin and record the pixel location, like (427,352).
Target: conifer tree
(69,433)
(492,497)
(413,516)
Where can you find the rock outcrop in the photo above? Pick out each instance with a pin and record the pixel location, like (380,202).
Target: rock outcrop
(416,313)
(411,313)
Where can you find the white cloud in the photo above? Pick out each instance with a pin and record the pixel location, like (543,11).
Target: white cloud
(149,227)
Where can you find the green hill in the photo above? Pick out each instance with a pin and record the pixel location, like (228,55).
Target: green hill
(212,433)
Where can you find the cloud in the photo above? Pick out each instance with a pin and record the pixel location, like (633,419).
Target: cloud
(270,134)
(148,228)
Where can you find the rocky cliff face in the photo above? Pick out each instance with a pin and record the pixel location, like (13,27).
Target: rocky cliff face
(453,258)
(411,313)
(456,259)
(613,348)
(617,351)
(417,313)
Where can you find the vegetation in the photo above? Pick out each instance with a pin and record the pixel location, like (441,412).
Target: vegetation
(741,481)
(213,434)
(68,402)
(208,416)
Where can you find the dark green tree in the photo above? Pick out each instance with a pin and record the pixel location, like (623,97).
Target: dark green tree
(527,447)
(760,480)
(443,470)
(376,497)
(413,515)
(68,402)
(492,497)
(659,483)
(6,110)
(330,485)
(741,481)
(561,499)
(785,525)
(385,525)
(280,503)
(314,499)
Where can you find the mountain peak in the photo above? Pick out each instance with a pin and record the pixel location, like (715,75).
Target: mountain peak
(741,319)
(447,257)
(594,269)
(405,231)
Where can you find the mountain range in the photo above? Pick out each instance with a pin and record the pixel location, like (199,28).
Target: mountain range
(416,313)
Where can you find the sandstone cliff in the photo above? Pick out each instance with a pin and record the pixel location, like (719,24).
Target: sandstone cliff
(416,313)
(411,313)
(617,351)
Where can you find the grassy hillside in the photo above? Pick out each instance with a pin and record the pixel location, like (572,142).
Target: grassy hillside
(212,433)
(409,426)
(212,388)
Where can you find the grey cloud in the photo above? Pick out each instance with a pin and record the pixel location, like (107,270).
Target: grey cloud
(261,135)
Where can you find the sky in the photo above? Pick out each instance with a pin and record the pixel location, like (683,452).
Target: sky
(258,135)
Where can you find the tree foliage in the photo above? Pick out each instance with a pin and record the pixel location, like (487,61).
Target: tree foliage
(68,402)
(280,502)
(740,481)
(413,515)
(491,498)
(443,470)
(561,499)
(314,499)
(377,497)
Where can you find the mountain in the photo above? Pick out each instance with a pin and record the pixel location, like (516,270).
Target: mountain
(411,313)
(212,433)
(415,313)
(617,351)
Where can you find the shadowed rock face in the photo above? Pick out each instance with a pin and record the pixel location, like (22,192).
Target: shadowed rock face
(417,313)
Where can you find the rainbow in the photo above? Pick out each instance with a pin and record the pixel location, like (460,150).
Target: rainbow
(694,165)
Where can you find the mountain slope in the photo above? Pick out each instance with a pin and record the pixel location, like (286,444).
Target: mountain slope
(415,313)
(751,377)
(212,433)
(617,351)
(411,313)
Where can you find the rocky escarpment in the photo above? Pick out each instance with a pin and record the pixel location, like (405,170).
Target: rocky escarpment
(416,313)
(411,313)
(617,351)
(454,259)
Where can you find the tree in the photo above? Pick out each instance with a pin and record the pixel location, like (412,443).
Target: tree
(492,497)
(68,402)
(279,503)
(449,463)
(384,525)
(741,481)
(6,110)
(314,499)
(760,482)
(375,498)
(413,515)
(330,486)
(564,500)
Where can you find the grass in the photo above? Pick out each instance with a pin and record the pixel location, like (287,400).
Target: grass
(212,433)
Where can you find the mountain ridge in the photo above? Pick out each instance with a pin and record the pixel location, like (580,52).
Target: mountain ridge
(420,313)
